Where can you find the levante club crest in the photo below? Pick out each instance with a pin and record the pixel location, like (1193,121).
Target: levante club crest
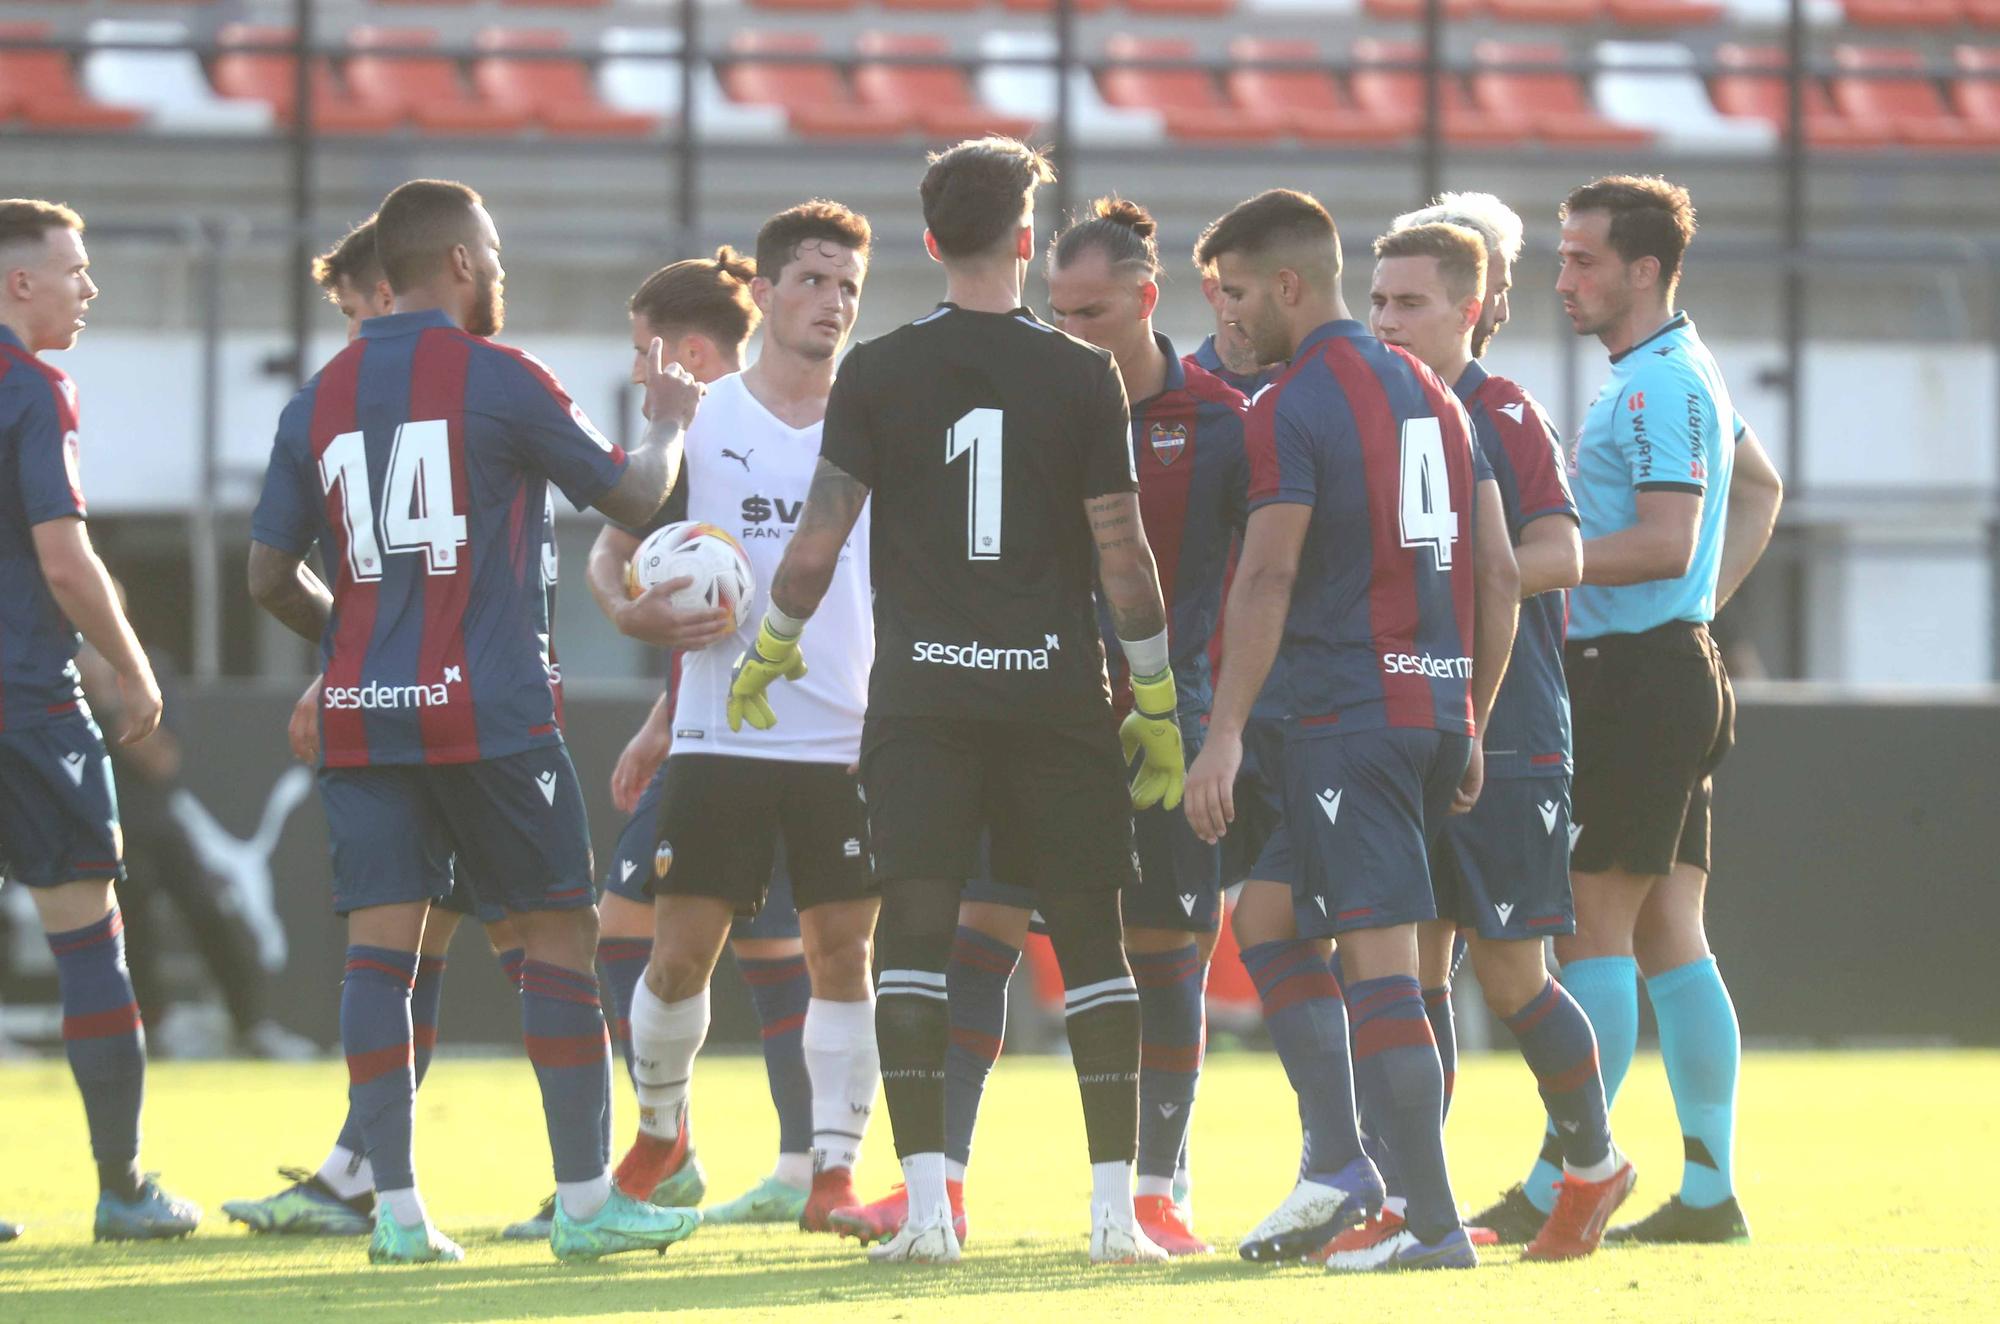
(1169,440)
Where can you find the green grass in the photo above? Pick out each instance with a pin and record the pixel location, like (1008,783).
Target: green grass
(1868,1178)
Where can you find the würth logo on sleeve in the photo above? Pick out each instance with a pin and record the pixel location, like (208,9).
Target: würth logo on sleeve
(1169,440)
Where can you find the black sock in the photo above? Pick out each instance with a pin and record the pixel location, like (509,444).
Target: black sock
(912,1015)
(1101,1008)
(120,1178)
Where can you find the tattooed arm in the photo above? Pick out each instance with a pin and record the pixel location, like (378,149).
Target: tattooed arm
(832,506)
(1125,565)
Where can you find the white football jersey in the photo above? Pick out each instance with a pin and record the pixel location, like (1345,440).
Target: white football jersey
(748,472)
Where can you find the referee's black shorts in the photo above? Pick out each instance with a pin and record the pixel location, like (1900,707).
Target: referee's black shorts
(1052,794)
(1653,716)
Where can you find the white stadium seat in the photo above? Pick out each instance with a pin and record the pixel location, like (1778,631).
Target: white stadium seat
(1635,87)
(632,77)
(1028,92)
(167,84)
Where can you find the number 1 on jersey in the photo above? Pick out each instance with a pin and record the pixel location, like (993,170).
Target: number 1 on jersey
(1428,519)
(421,514)
(979,434)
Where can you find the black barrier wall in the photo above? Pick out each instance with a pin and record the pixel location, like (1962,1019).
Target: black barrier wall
(1856,892)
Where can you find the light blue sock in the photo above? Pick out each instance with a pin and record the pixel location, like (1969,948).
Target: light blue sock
(1607,988)
(1702,1048)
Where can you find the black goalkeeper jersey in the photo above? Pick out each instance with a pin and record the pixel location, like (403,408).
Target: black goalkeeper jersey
(981,435)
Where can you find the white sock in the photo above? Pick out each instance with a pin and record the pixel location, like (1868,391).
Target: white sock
(1603,1170)
(665,1038)
(795,1171)
(405,1206)
(923,1179)
(347,1173)
(839,1043)
(1156,1186)
(582,1199)
(1111,1192)
(954,1171)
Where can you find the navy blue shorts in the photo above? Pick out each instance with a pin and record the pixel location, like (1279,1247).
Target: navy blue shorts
(1180,878)
(515,826)
(631,867)
(1503,869)
(1363,808)
(1258,845)
(58,805)
(462,900)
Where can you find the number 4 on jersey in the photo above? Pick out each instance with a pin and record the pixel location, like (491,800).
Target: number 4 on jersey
(1427,517)
(978,433)
(421,511)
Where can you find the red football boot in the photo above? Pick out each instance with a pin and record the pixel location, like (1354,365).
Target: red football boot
(1161,1221)
(1376,1230)
(651,1161)
(885,1217)
(832,1188)
(1583,1210)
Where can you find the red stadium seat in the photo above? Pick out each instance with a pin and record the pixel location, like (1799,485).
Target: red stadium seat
(1913,108)
(39,87)
(556,94)
(1398,93)
(267,76)
(1308,100)
(1546,11)
(937,96)
(1904,13)
(1978,99)
(1983,13)
(806,6)
(1047,6)
(555,4)
(1754,88)
(1551,99)
(934,6)
(1182,8)
(1406,10)
(424,88)
(815,98)
(1187,100)
(1664,13)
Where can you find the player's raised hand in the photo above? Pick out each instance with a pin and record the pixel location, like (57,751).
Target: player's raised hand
(672,396)
(303,729)
(1152,728)
(139,701)
(1210,802)
(770,657)
(652,618)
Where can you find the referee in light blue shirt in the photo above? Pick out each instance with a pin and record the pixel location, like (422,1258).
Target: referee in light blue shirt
(1653,471)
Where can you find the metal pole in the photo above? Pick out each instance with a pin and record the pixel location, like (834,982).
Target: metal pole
(687,156)
(303,297)
(1793,298)
(1065,155)
(1433,143)
(204,545)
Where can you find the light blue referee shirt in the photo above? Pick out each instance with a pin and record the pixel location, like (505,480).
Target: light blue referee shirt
(1661,423)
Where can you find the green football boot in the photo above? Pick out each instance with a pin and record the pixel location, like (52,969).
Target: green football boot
(417,1243)
(306,1208)
(622,1224)
(769,1201)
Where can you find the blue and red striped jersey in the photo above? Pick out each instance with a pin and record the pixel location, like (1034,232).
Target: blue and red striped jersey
(38,482)
(1187,448)
(1380,628)
(1527,734)
(1206,358)
(420,458)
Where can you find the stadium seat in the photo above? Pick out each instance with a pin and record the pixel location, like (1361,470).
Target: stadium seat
(166,84)
(1045,6)
(1653,84)
(1028,91)
(933,6)
(1752,86)
(937,96)
(806,6)
(38,87)
(1550,99)
(1977,100)
(1407,10)
(1983,13)
(1904,13)
(268,76)
(641,72)
(1308,100)
(424,88)
(1663,13)
(1181,8)
(1912,107)
(816,99)
(555,93)
(1546,11)
(1388,92)
(1187,100)
(554,4)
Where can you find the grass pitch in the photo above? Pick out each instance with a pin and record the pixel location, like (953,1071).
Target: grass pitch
(1867,1178)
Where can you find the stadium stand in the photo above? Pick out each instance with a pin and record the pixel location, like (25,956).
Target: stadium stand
(165,84)
(1309,101)
(1029,91)
(1904,13)
(1978,99)
(1653,84)
(38,89)
(816,99)
(425,89)
(938,96)
(1187,101)
(639,73)
(1388,84)
(268,76)
(556,94)
(1911,108)
(1752,85)
(1550,99)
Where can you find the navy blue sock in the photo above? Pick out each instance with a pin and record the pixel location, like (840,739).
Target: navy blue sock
(425,995)
(976,983)
(511,962)
(1308,1025)
(381,1075)
(1170,1047)
(106,1045)
(1397,1071)
(624,962)
(1556,1040)
(1607,988)
(1437,1010)
(781,990)
(563,1026)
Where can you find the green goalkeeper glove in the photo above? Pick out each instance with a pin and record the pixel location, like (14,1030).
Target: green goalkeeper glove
(1151,727)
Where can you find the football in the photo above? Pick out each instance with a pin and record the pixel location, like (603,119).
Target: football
(708,555)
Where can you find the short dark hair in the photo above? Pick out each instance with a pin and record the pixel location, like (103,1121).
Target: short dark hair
(1459,250)
(418,224)
(702,294)
(353,260)
(1650,217)
(976,193)
(1274,218)
(1123,230)
(778,242)
(33,218)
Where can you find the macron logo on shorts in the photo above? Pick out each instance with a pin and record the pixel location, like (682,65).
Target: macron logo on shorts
(1187,903)
(625,870)
(1329,801)
(547,781)
(1548,812)
(73,765)
(1504,909)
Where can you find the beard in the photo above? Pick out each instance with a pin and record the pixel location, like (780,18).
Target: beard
(489,313)
(1482,336)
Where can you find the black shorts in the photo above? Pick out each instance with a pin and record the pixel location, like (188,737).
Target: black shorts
(1653,716)
(1053,795)
(721,818)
